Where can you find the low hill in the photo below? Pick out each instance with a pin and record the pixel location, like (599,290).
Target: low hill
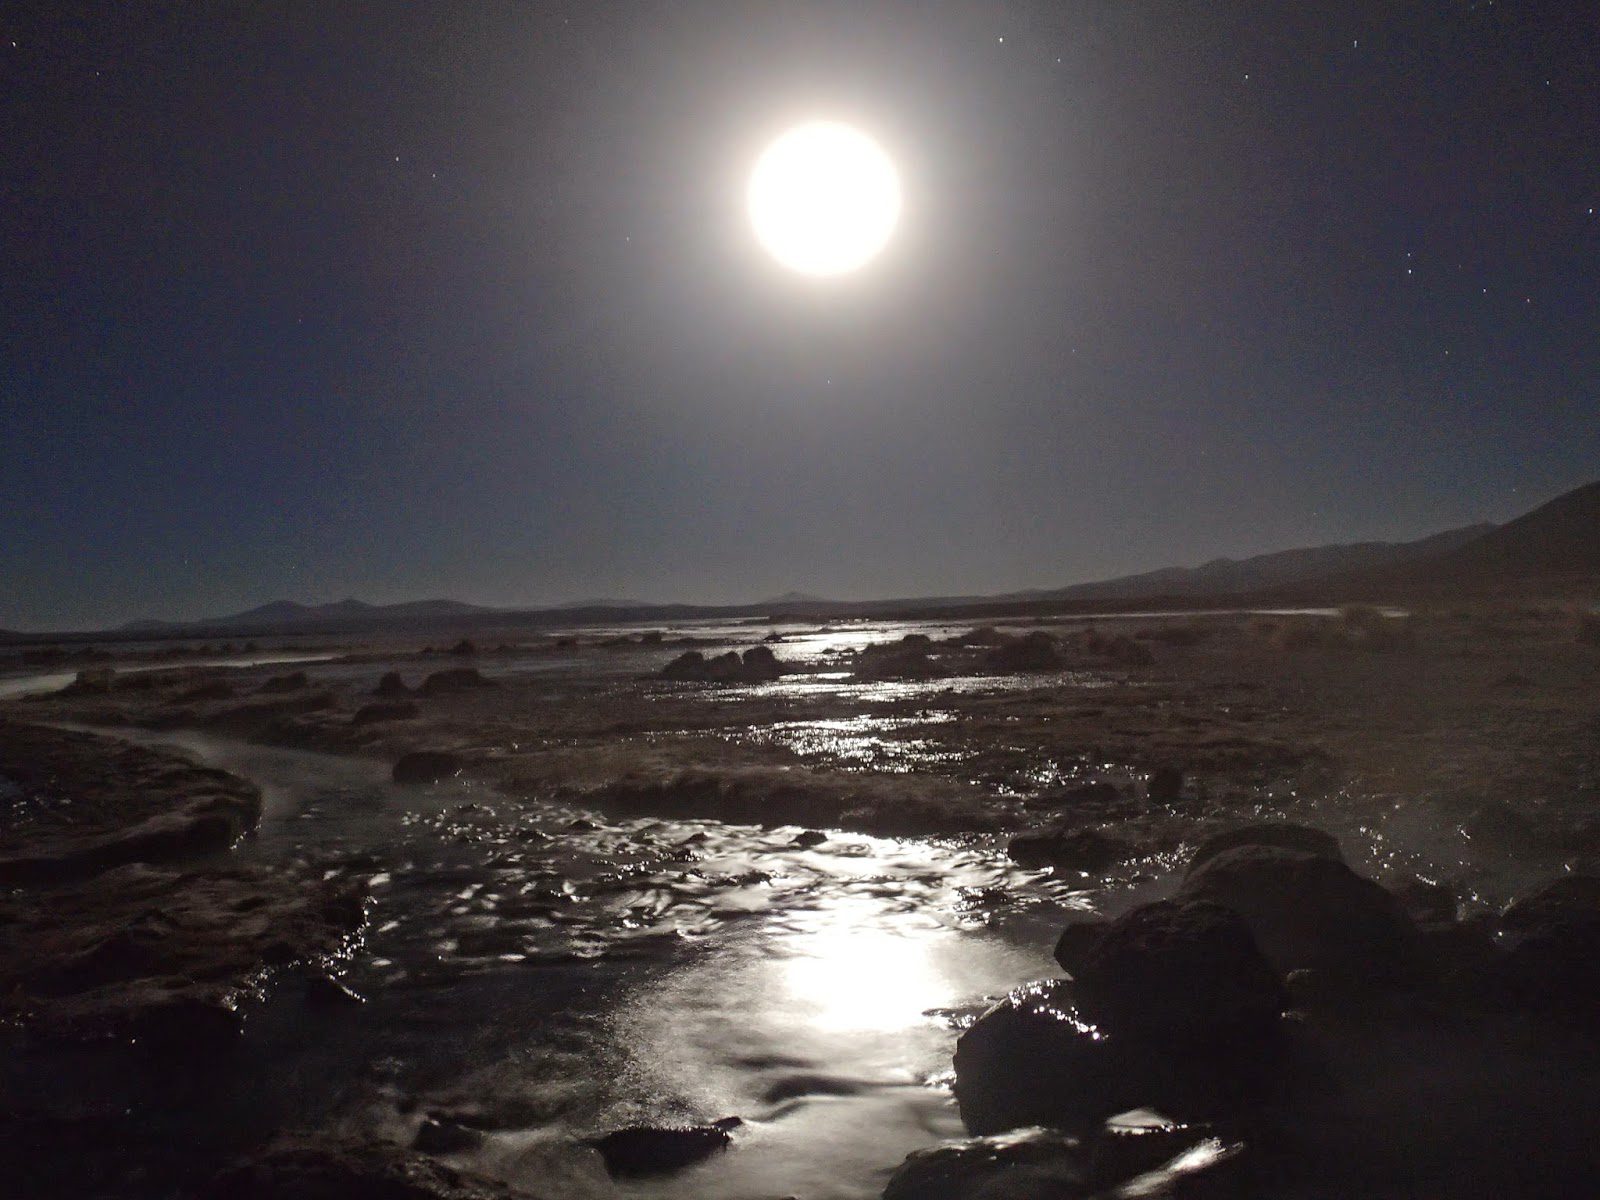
(1232,577)
(288,614)
(1554,548)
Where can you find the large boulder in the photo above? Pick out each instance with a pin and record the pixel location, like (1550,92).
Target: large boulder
(1177,972)
(1035,1059)
(1310,912)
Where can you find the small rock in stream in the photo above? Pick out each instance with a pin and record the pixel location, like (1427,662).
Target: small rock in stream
(656,1150)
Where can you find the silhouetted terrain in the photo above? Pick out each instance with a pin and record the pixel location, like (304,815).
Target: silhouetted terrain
(1555,546)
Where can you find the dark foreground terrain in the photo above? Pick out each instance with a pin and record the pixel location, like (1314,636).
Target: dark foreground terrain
(1233,905)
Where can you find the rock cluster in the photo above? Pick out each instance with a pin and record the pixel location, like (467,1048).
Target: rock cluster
(756,665)
(1230,1003)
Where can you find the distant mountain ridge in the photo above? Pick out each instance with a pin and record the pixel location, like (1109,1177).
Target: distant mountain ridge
(1557,543)
(1229,577)
(283,613)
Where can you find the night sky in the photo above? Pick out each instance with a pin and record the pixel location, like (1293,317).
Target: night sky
(460,299)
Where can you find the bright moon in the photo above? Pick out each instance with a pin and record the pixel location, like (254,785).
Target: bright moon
(824,198)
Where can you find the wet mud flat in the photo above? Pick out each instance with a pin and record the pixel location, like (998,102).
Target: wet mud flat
(617,895)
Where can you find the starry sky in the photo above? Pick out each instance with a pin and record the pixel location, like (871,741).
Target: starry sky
(399,299)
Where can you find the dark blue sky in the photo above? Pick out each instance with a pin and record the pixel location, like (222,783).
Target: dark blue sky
(399,300)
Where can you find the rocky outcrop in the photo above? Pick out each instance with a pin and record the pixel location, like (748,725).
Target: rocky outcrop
(94,803)
(1171,1006)
(1021,1164)
(1179,972)
(391,687)
(756,665)
(1036,651)
(1138,1155)
(1311,912)
(317,1168)
(163,954)
(1036,1059)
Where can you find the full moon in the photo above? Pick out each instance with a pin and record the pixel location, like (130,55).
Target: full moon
(824,198)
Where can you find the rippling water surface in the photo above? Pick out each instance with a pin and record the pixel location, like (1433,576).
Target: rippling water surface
(545,972)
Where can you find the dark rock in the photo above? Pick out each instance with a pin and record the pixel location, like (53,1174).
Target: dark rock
(1552,964)
(1135,1143)
(1572,898)
(315,1168)
(1168,1160)
(1026,1164)
(1037,651)
(1179,972)
(808,838)
(691,664)
(1268,833)
(1076,940)
(757,665)
(655,1150)
(1068,850)
(464,648)
(456,679)
(426,766)
(324,991)
(440,1135)
(760,664)
(876,664)
(128,804)
(1307,910)
(1033,1059)
(392,710)
(1165,786)
(391,686)
(1427,903)
(295,681)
